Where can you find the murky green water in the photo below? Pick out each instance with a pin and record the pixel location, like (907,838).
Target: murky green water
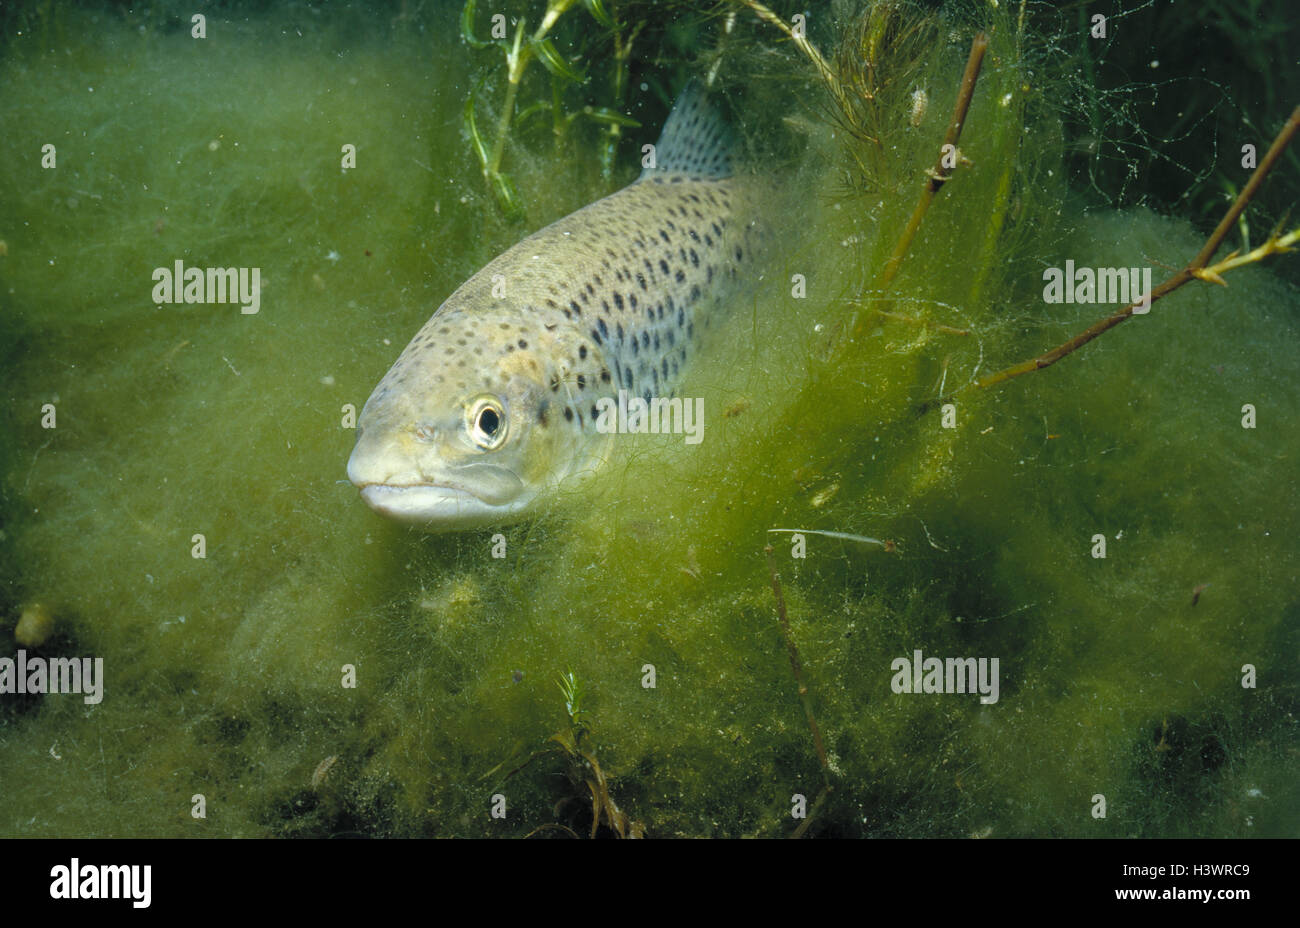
(321,671)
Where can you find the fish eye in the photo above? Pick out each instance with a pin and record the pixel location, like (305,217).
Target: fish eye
(486,421)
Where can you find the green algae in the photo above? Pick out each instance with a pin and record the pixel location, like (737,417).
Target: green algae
(224,674)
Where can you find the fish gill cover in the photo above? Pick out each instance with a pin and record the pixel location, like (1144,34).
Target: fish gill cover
(1110,541)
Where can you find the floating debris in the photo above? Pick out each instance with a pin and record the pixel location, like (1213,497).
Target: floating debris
(322,772)
(846,536)
(35,626)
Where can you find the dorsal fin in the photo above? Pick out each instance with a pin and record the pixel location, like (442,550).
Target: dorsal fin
(696,140)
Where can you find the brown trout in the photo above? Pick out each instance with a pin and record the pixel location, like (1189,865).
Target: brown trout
(493,405)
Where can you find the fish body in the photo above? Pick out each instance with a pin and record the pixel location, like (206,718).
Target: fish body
(493,404)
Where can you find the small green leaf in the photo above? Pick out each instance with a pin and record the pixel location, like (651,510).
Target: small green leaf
(555,62)
(467,26)
(507,197)
(597,9)
(532,109)
(476,140)
(611,117)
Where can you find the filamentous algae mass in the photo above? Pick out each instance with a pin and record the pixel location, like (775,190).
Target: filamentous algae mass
(1118,531)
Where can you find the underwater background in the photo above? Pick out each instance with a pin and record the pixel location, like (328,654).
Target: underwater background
(320,671)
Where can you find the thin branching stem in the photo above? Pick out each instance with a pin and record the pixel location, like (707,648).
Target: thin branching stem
(1198,268)
(801,42)
(938,176)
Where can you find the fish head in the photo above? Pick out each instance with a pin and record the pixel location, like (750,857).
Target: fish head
(461,436)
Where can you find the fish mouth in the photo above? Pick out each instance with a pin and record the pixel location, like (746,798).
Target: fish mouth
(493,495)
(431,506)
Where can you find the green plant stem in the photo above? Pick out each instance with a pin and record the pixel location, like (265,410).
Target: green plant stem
(796,665)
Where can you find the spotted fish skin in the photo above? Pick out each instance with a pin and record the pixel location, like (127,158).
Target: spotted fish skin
(493,403)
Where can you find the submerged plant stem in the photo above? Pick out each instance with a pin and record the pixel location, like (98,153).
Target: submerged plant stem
(1198,268)
(938,176)
(796,666)
(801,42)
